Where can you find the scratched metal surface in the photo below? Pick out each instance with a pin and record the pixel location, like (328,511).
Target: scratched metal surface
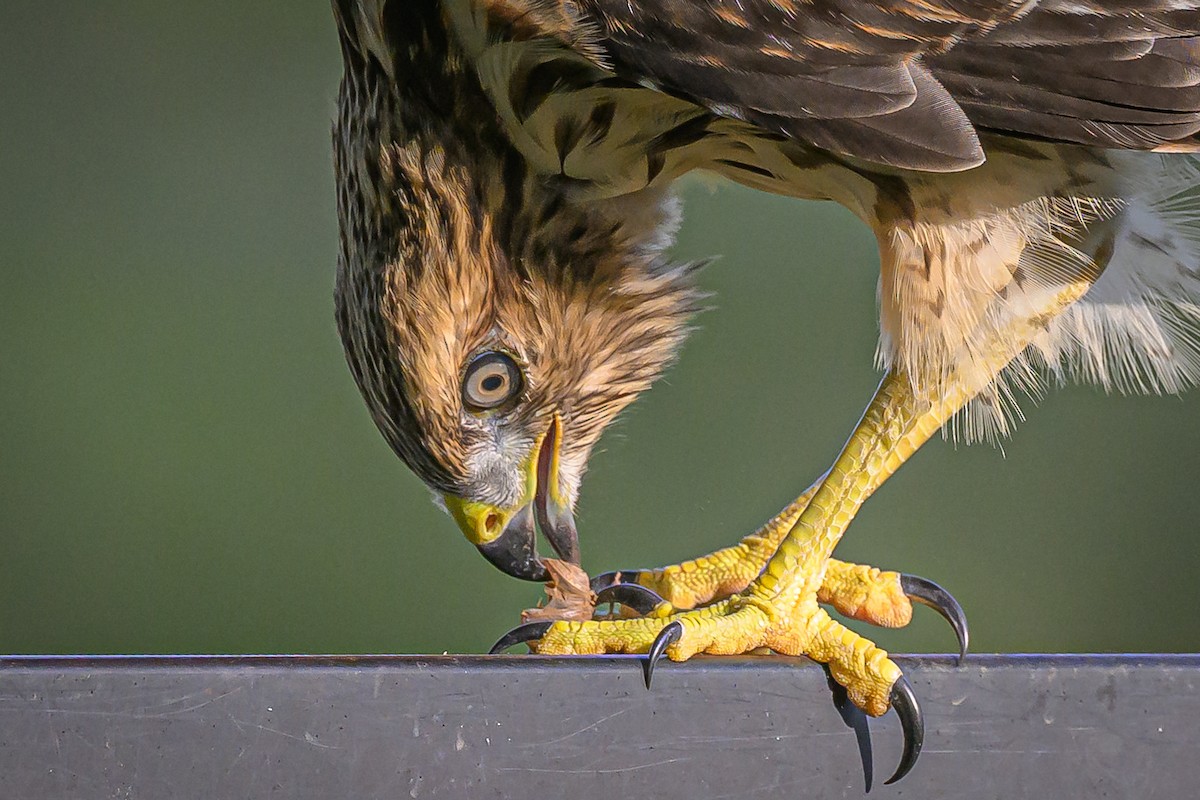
(448,727)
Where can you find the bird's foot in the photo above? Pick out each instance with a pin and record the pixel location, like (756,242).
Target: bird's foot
(718,575)
(743,624)
(731,627)
(860,592)
(864,593)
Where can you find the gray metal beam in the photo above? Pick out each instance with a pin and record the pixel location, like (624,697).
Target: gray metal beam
(526,727)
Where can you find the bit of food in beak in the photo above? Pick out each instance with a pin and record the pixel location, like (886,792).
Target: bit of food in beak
(507,536)
(569,594)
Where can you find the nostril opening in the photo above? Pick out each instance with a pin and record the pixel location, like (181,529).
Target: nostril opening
(492,522)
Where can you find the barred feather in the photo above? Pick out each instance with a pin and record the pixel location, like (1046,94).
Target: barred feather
(1133,221)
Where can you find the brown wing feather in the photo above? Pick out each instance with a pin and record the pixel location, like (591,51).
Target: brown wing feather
(842,74)
(1122,75)
(866,78)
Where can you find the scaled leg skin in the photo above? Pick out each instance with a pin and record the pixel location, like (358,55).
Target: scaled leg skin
(864,593)
(717,575)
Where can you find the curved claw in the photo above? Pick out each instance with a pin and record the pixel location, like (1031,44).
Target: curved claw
(522,633)
(856,720)
(631,595)
(621,577)
(928,593)
(666,637)
(911,722)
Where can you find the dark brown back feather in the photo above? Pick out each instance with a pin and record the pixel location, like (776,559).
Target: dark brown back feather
(866,78)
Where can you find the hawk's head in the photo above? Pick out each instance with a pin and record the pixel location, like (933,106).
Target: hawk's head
(494,332)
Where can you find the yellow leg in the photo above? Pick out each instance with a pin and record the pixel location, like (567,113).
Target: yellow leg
(858,591)
(724,572)
(779,609)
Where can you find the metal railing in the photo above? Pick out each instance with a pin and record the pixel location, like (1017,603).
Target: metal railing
(1056,727)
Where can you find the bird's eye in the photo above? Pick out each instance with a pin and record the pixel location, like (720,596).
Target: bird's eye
(491,381)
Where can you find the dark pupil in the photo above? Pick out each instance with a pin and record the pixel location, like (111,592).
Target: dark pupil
(492,383)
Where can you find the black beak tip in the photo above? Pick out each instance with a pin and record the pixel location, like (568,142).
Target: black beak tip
(514,552)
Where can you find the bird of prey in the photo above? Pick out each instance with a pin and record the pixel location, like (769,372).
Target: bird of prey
(504,177)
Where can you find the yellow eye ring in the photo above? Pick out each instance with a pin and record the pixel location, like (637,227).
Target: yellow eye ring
(491,380)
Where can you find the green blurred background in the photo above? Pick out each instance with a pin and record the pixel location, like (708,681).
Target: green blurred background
(185,464)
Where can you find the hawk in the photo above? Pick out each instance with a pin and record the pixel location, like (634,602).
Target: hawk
(504,289)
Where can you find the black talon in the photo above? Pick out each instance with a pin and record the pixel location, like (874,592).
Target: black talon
(631,595)
(911,722)
(620,577)
(522,633)
(856,720)
(666,637)
(928,593)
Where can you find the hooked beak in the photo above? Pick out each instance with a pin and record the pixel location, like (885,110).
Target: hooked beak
(507,537)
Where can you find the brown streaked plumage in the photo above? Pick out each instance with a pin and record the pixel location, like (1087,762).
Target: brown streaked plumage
(504,188)
(450,246)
